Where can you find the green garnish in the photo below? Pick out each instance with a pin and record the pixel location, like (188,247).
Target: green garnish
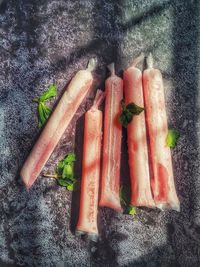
(132,210)
(124,195)
(65,173)
(43,110)
(49,93)
(172,138)
(128,112)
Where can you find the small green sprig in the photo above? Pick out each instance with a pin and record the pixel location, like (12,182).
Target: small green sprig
(65,173)
(43,110)
(128,112)
(172,138)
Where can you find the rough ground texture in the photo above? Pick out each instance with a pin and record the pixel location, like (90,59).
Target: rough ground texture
(45,41)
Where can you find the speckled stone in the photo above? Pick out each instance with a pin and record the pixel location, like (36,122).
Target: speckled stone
(45,41)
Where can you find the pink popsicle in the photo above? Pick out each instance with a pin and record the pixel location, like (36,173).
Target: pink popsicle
(137,141)
(57,124)
(112,143)
(163,186)
(87,222)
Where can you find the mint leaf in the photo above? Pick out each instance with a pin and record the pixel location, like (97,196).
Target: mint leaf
(70,158)
(70,187)
(65,169)
(73,186)
(68,172)
(128,112)
(125,118)
(63,182)
(131,210)
(134,109)
(49,93)
(43,113)
(43,110)
(65,173)
(172,138)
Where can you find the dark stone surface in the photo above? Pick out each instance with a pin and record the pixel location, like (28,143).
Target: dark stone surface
(48,41)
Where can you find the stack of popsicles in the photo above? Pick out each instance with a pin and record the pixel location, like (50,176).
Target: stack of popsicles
(152,181)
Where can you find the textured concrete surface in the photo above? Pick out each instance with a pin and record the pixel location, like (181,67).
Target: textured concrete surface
(45,41)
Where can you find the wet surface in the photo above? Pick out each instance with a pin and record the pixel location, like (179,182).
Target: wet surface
(47,41)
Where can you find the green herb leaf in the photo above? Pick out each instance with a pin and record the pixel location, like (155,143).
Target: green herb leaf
(134,109)
(172,138)
(63,182)
(70,158)
(128,112)
(73,186)
(65,168)
(131,210)
(43,113)
(65,173)
(68,172)
(49,93)
(125,118)
(43,110)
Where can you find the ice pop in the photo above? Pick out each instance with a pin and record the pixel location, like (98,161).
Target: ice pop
(87,222)
(110,182)
(57,124)
(162,179)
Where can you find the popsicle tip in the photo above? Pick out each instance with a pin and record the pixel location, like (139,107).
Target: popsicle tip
(92,64)
(93,237)
(149,61)
(168,206)
(79,233)
(27,185)
(175,207)
(111,68)
(161,206)
(137,60)
(100,95)
(24,181)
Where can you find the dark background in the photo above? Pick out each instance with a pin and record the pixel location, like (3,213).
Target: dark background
(46,41)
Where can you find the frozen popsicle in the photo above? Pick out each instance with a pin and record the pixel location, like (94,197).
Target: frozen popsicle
(162,179)
(87,222)
(57,124)
(137,140)
(110,182)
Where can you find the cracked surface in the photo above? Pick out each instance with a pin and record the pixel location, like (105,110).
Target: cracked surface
(47,41)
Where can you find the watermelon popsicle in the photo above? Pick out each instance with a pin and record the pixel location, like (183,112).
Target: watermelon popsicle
(162,179)
(137,140)
(57,124)
(112,143)
(87,222)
